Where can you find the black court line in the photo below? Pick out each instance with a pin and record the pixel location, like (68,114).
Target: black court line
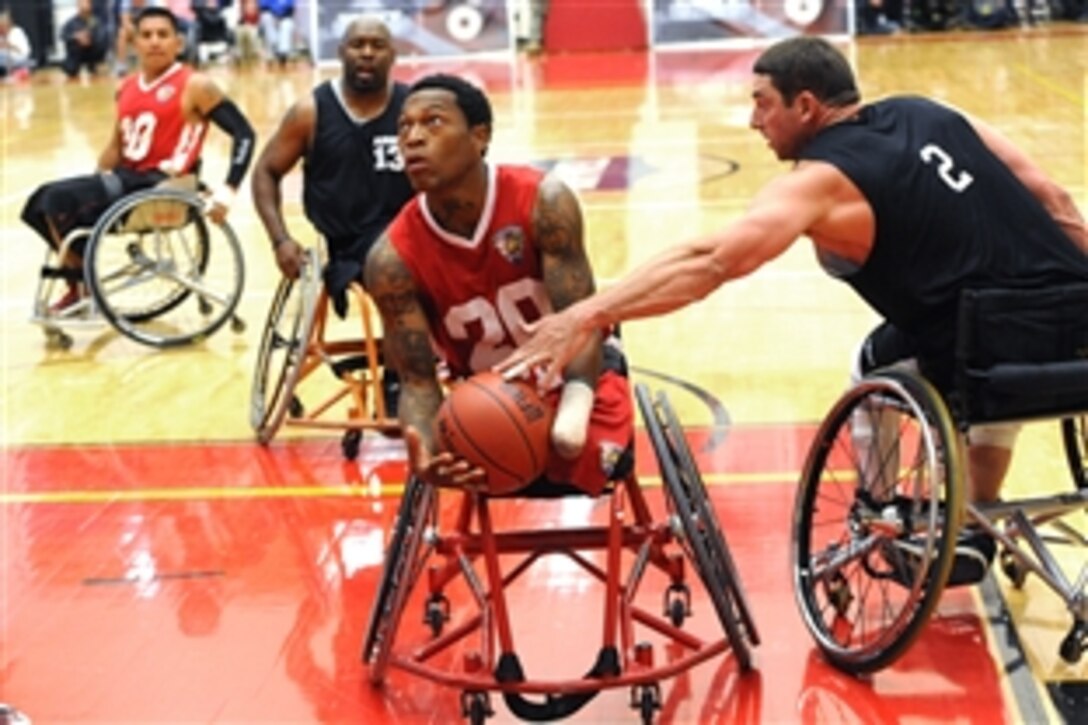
(719,429)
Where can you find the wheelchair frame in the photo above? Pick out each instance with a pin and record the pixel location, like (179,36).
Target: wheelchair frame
(623,660)
(147,257)
(295,344)
(851,529)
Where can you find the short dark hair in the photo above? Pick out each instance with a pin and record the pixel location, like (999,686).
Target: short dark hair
(470,99)
(154,11)
(808,63)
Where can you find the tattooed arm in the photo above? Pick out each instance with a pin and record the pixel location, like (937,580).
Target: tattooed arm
(568,277)
(407,347)
(557,228)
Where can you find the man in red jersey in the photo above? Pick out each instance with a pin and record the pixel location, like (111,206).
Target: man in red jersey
(482,250)
(162,115)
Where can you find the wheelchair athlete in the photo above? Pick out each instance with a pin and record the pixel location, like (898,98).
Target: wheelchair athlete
(162,116)
(909,202)
(482,250)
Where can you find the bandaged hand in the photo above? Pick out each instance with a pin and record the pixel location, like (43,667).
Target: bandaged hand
(220,204)
(571,426)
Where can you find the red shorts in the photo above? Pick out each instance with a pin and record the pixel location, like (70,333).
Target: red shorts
(611,431)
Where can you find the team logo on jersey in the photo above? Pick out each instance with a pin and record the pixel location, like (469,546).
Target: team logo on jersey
(164,93)
(510,243)
(610,457)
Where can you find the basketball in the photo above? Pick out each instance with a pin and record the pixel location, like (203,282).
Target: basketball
(502,426)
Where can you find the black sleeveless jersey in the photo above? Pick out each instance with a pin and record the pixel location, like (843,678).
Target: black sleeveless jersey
(353,175)
(949,214)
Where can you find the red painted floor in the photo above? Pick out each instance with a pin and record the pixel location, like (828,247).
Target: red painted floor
(233,583)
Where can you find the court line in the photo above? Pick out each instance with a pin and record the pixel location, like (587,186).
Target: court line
(386,490)
(1072,96)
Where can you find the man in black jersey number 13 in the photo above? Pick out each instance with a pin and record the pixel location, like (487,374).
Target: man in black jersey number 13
(906,200)
(353,184)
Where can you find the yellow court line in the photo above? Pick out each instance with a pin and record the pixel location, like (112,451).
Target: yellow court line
(148,495)
(1063,91)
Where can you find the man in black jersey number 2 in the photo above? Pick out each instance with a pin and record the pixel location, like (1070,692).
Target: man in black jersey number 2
(353,180)
(907,201)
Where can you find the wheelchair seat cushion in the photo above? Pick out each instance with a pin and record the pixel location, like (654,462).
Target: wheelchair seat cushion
(1022,353)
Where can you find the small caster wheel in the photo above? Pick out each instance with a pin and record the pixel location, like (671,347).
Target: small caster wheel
(58,339)
(204,306)
(678,603)
(350,444)
(295,409)
(1074,643)
(647,700)
(436,613)
(476,706)
(237,325)
(1014,570)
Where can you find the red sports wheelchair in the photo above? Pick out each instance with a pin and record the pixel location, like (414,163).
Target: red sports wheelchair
(656,551)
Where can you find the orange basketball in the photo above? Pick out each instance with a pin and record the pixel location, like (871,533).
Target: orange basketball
(502,426)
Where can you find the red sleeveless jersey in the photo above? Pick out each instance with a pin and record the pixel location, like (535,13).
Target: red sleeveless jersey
(153,125)
(477,292)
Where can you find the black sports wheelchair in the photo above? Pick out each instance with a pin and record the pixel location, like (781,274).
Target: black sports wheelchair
(641,564)
(877,516)
(155,268)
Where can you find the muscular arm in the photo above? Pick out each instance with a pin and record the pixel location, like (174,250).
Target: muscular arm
(406,338)
(568,277)
(784,210)
(288,144)
(1054,198)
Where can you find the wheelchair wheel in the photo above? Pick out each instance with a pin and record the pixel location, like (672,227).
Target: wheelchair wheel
(1075,437)
(876,519)
(403,562)
(283,349)
(702,538)
(160,272)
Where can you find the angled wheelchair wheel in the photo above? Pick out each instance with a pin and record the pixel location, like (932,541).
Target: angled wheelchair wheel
(403,562)
(1075,438)
(283,348)
(703,540)
(875,521)
(160,272)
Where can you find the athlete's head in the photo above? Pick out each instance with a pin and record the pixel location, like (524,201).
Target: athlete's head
(367,54)
(444,130)
(809,63)
(158,42)
(799,84)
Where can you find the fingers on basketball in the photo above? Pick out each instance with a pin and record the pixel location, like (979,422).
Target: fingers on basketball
(501,426)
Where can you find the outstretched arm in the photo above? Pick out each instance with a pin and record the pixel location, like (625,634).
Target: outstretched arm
(288,144)
(407,347)
(1056,199)
(686,273)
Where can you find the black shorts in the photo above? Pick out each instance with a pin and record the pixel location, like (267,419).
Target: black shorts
(935,353)
(79,201)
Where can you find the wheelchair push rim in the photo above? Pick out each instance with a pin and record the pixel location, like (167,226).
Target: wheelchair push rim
(139,276)
(875,526)
(283,347)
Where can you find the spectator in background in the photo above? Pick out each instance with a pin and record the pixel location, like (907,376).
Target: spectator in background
(249,33)
(14,49)
(86,41)
(278,27)
(879,17)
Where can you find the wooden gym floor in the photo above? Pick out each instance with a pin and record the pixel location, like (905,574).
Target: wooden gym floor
(160,566)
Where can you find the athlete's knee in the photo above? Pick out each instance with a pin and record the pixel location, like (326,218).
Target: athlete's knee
(995,435)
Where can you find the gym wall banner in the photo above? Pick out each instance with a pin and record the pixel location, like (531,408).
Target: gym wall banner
(690,23)
(421,27)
